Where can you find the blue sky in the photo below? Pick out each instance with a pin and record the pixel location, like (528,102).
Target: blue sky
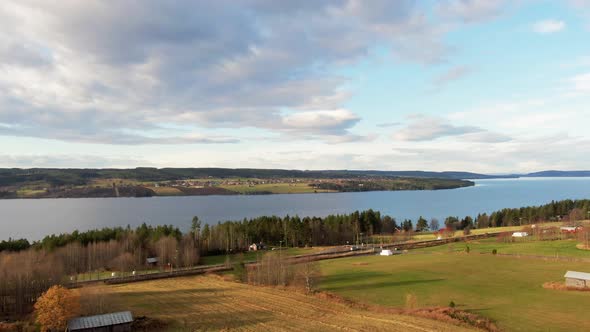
(477,85)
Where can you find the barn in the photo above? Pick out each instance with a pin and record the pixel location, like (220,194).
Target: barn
(113,322)
(577,279)
(151,261)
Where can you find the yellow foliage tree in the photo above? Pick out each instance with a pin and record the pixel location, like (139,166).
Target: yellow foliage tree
(55,307)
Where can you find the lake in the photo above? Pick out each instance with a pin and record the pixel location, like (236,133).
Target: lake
(35,218)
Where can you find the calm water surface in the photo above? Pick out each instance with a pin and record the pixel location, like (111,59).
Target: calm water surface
(34,218)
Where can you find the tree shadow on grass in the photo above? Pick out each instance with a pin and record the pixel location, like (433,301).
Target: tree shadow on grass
(353,277)
(362,281)
(383,284)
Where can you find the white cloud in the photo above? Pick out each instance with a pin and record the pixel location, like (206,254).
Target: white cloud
(581,84)
(471,10)
(427,128)
(333,120)
(70,161)
(548,26)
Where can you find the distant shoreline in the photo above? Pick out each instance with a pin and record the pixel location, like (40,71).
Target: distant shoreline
(102,193)
(163,182)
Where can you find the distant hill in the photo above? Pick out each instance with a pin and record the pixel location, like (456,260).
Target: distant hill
(558,174)
(80,176)
(427,174)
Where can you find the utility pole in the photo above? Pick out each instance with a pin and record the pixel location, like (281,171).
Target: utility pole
(280,259)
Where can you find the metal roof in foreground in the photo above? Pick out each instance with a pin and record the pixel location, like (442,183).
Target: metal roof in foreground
(89,322)
(577,275)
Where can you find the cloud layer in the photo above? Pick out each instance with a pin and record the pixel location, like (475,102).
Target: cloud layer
(120,73)
(426,128)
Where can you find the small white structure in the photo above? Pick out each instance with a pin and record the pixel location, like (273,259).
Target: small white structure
(256,246)
(386,252)
(577,279)
(569,229)
(520,234)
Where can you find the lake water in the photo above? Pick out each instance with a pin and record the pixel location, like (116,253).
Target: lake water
(35,218)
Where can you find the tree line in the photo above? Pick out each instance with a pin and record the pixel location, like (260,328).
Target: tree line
(59,259)
(296,231)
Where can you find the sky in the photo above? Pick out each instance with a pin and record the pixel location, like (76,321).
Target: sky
(486,86)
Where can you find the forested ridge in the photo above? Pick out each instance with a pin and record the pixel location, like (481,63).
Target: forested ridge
(148,182)
(80,176)
(72,176)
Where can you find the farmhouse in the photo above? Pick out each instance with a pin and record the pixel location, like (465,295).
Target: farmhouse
(520,234)
(577,279)
(114,322)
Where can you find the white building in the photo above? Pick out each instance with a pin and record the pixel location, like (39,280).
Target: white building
(577,279)
(520,234)
(386,252)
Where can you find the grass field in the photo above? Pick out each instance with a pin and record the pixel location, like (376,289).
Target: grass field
(28,193)
(556,248)
(167,191)
(275,188)
(432,236)
(505,289)
(208,303)
(109,182)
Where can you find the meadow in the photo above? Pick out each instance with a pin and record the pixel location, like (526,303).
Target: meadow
(476,231)
(524,246)
(213,304)
(276,188)
(506,289)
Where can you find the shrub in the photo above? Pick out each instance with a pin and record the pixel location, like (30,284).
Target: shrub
(410,301)
(452,304)
(494,251)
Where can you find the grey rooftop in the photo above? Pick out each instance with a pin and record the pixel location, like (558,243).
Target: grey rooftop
(88,322)
(577,275)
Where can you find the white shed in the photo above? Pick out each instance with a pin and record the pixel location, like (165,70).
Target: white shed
(520,234)
(386,252)
(577,279)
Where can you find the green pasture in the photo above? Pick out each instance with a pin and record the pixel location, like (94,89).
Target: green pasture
(505,289)
(275,188)
(524,246)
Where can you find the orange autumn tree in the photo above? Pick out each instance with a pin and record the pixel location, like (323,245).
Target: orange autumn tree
(55,307)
